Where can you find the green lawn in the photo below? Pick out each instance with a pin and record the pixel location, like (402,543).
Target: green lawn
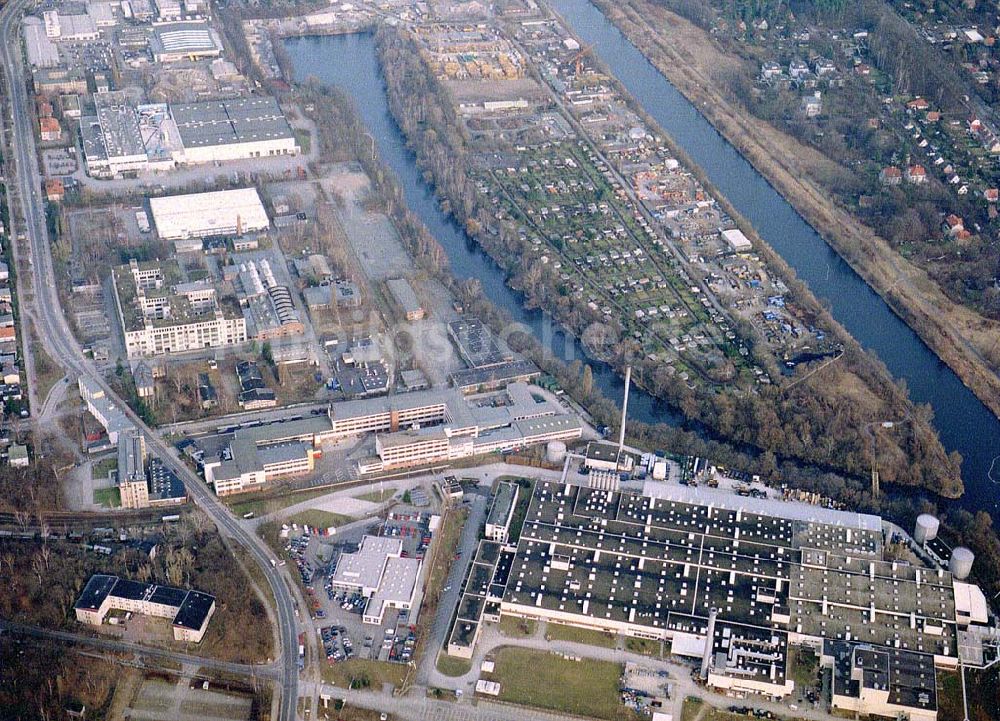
(560,632)
(453,666)
(108,497)
(644,646)
(319,519)
(546,680)
(263,505)
(364,673)
(304,139)
(101,469)
(377,496)
(517,627)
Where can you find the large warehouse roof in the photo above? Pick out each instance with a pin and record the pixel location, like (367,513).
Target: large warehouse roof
(223,122)
(172,40)
(205,214)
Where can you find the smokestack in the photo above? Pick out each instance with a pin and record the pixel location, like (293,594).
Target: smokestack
(621,432)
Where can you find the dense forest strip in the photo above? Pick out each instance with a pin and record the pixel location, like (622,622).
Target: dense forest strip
(958,335)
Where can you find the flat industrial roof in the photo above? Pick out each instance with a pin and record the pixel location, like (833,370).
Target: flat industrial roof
(364,567)
(503,504)
(96,590)
(224,122)
(194,610)
(199,214)
(403,292)
(645,560)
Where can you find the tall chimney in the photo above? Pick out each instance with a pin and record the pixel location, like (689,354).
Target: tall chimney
(621,432)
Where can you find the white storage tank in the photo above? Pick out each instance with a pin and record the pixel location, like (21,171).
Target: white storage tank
(555,452)
(960,563)
(926,528)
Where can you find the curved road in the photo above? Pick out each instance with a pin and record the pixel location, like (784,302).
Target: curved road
(62,346)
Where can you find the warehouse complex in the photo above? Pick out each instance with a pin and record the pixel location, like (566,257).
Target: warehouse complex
(411,429)
(379,572)
(160,313)
(733,582)
(220,130)
(125,137)
(189,610)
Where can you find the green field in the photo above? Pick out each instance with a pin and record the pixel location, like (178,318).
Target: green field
(517,627)
(319,519)
(560,632)
(546,680)
(364,673)
(645,646)
(108,497)
(101,469)
(262,506)
(377,496)
(452,666)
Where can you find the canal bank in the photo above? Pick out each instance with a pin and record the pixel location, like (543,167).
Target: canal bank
(349,62)
(963,422)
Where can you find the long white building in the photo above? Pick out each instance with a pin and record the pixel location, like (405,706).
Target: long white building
(159,317)
(203,215)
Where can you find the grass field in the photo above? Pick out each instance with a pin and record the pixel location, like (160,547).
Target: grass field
(364,673)
(452,666)
(377,496)
(319,519)
(560,632)
(546,680)
(102,468)
(261,506)
(108,497)
(804,665)
(517,627)
(645,646)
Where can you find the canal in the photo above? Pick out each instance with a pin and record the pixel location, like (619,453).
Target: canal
(964,423)
(350,63)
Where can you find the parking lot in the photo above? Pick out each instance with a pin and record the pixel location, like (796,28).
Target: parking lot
(338,613)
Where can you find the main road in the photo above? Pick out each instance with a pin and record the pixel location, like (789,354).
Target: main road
(55,335)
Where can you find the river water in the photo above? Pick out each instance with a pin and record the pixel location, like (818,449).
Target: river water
(964,423)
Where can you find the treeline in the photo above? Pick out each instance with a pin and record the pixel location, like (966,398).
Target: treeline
(821,420)
(43,579)
(344,138)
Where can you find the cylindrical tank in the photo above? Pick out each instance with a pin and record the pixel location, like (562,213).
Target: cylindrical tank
(960,563)
(926,528)
(555,452)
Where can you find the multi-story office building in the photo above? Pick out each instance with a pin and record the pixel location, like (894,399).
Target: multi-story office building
(189,610)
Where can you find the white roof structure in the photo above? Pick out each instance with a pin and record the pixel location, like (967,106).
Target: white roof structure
(42,52)
(970,601)
(380,572)
(717,498)
(737,241)
(200,215)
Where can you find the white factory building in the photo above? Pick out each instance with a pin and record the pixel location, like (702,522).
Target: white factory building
(203,215)
(380,573)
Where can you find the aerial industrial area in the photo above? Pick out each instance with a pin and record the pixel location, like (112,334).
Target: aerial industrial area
(273,447)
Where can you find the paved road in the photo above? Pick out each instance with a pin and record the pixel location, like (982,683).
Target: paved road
(428,673)
(12,628)
(62,346)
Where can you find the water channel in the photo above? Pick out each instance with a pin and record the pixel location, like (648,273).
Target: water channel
(964,423)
